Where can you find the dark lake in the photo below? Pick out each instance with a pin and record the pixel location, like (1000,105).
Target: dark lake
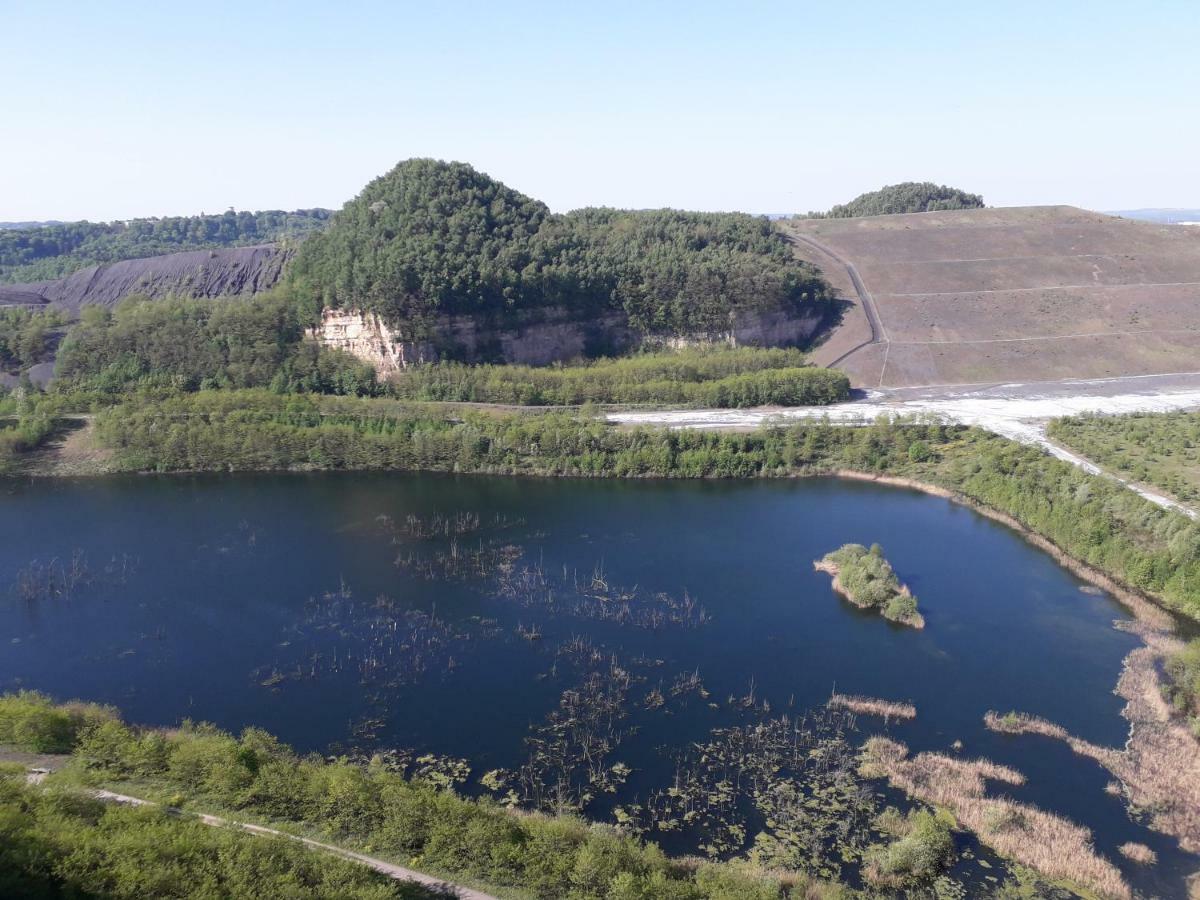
(608,622)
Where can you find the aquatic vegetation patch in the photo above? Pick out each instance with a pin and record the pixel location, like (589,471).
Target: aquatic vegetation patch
(868,581)
(569,754)
(1055,846)
(63,579)
(783,789)
(1138,853)
(1159,768)
(872,706)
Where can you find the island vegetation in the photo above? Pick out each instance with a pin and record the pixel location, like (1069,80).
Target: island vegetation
(907,197)
(52,251)
(868,581)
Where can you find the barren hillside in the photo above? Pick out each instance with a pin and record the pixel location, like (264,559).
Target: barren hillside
(1020,294)
(220,272)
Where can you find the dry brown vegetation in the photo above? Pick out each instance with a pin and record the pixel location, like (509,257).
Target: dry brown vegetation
(873,706)
(1055,846)
(1138,853)
(1159,768)
(1031,294)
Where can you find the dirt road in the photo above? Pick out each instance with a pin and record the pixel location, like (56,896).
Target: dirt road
(878,333)
(400,873)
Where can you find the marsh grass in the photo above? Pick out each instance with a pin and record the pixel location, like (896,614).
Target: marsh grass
(1159,768)
(872,706)
(1051,844)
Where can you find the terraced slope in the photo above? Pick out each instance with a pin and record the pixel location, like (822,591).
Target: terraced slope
(1018,294)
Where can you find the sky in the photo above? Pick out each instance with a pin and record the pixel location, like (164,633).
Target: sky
(121,109)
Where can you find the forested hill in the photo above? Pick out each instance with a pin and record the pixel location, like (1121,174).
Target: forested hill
(433,237)
(53,251)
(908,197)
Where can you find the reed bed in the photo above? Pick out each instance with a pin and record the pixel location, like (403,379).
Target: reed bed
(1051,844)
(872,706)
(1159,768)
(1138,853)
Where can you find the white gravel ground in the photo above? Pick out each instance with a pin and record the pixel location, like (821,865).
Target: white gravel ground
(1016,411)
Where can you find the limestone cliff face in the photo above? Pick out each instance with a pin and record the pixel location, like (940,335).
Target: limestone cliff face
(536,338)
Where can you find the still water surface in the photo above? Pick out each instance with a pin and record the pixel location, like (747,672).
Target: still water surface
(317,607)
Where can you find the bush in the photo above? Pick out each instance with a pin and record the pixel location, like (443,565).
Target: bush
(31,721)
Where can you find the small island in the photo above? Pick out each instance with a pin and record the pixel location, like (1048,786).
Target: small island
(868,581)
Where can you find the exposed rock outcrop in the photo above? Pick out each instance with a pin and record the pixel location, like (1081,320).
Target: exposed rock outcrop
(195,273)
(536,338)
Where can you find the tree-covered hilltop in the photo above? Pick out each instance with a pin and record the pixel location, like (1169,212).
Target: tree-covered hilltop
(435,237)
(908,197)
(52,251)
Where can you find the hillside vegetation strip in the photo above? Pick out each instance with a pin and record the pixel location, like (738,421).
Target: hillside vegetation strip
(432,237)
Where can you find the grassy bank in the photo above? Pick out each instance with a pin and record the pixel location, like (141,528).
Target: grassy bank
(414,822)
(1093,520)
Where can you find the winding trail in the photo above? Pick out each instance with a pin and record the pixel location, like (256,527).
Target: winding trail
(878,333)
(399,873)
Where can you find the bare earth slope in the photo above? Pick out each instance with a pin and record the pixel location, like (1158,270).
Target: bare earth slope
(194,273)
(1020,294)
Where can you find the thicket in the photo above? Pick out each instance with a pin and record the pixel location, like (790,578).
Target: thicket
(416,822)
(907,197)
(186,345)
(726,377)
(433,237)
(33,722)
(869,581)
(52,251)
(58,844)
(922,847)
(27,431)
(1161,449)
(26,336)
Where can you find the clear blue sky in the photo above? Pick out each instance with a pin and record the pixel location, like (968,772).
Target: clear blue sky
(122,109)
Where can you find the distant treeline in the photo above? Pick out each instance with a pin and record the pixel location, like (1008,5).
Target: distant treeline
(432,237)
(719,377)
(908,197)
(52,251)
(1091,518)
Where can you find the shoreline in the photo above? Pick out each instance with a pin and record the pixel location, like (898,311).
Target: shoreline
(1145,608)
